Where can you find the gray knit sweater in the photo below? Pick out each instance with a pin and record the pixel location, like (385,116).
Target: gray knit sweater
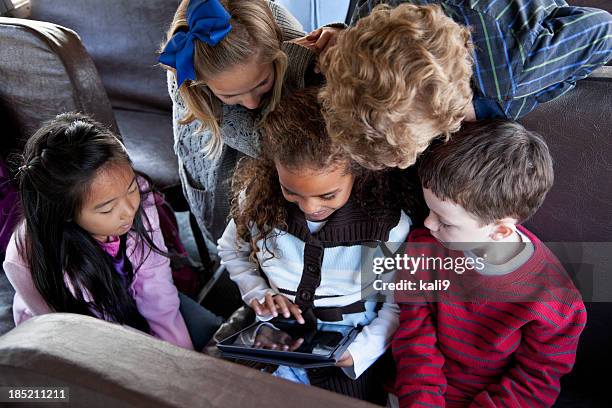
(206,181)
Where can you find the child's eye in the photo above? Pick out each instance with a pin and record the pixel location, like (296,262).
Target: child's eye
(107,212)
(286,192)
(328,197)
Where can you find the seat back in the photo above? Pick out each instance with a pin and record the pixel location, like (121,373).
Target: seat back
(578,211)
(45,71)
(122,38)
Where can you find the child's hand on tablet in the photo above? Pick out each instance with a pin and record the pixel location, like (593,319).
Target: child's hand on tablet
(288,308)
(273,304)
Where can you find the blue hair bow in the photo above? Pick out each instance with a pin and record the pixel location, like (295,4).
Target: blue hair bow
(208,22)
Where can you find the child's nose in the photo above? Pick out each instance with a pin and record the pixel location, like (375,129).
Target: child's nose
(431,223)
(127,215)
(129,210)
(251,101)
(309,206)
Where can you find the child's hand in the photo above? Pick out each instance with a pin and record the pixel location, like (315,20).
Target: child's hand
(322,38)
(288,308)
(273,304)
(305,42)
(319,41)
(346,360)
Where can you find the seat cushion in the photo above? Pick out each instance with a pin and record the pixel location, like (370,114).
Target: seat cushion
(577,128)
(106,365)
(122,38)
(582,387)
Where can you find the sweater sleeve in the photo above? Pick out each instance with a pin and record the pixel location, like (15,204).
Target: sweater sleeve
(234,254)
(153,290)
(571,43)
(289,25)
(302,61)
(373,340)
(28,301)
(547,351)
(376,337)
(420,380)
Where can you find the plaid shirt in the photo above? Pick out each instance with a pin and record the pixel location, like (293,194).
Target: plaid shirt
(526,52)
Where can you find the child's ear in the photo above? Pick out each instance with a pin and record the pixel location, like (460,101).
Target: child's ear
(503,229)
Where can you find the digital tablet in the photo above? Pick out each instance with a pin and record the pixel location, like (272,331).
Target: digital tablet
(290,343)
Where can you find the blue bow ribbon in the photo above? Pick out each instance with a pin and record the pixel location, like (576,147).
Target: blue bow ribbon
(208,22)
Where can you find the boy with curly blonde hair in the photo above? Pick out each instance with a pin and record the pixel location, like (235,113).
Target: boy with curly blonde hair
(404,75)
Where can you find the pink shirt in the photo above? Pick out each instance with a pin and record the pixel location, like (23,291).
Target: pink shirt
(152,288)
(111,246)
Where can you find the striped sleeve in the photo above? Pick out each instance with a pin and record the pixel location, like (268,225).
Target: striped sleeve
(526,52)
(546,352)
(420,380)
(571,43)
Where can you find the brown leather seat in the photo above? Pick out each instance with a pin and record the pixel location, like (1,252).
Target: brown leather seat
(104,365)
(45,71)
(578,213)
(122,38)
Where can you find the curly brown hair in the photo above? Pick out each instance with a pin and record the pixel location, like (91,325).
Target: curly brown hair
(396,80)
(295,136)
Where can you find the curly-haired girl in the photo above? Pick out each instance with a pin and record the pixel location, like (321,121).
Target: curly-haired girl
(301,215)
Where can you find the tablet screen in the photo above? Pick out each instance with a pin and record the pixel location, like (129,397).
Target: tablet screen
(280,336)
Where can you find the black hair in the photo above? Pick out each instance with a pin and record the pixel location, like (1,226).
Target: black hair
(60,161)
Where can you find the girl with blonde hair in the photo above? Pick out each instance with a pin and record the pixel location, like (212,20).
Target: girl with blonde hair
(228,62)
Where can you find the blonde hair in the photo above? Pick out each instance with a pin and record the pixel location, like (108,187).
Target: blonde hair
(254,33)
(396,80)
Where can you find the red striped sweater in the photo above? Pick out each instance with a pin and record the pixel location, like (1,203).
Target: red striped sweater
(489,353)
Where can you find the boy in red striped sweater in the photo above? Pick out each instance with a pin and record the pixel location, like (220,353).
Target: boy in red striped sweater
(507,327)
